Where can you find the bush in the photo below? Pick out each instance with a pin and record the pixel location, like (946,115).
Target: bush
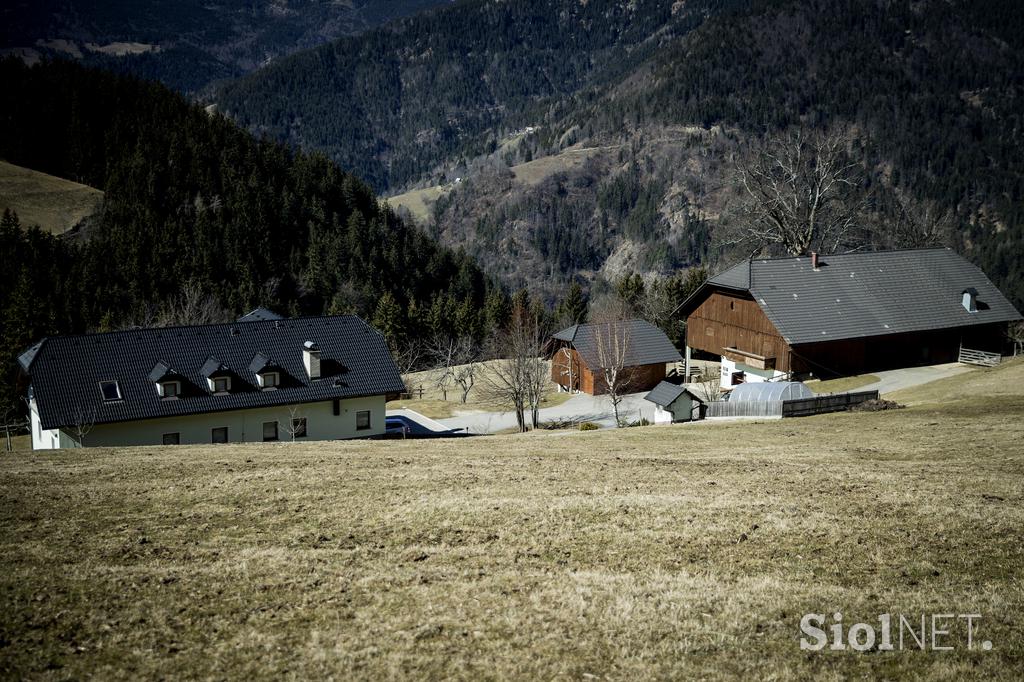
(876,406)
(589,426)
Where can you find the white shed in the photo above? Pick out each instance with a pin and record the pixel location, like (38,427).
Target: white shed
(673,403)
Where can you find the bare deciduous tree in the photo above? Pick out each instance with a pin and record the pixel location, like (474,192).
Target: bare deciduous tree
(1015,332)
(192,305)
(921,224)
(458,362)
(707,387)
(518,375)
(613,345)
(800,191)
(408,358)
(296,424)
(84,420)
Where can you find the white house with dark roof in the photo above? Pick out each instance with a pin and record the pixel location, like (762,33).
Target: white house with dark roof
(845,314)
(269,379)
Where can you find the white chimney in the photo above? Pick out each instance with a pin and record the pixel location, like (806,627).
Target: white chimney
(311,359)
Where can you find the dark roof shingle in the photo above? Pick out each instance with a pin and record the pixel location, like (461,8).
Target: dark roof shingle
(666,393)
(66,370)
(647,345)
(868,294)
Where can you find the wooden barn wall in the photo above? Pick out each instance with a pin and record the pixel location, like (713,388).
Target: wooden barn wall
(726,320)
(891,351)
(560,365)
(642,378)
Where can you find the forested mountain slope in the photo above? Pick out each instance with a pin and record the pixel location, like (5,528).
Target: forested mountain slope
(187,43)
(191,199)
(393,102)
(646,110)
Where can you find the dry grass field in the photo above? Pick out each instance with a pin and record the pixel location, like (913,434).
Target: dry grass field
(684,551)
(842,384)
(54,204)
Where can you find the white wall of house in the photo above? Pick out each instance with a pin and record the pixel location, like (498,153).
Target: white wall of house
(46,439)
(662,416)
(244,426)
(750,374)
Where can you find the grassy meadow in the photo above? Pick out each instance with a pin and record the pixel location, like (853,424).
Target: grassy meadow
(679,551)
(54,204)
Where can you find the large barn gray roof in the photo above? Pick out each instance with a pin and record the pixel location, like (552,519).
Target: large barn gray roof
(647,345)
(66,371)
(867,294)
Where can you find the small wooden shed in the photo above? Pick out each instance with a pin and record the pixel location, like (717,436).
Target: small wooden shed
(674,403)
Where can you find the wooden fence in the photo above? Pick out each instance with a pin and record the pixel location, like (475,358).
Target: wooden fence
(978,357)
(822,404)
(745,408)
(801,407)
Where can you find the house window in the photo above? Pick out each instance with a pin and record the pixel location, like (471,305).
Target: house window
(219,435)
(171,389)
(269,431)
(299,427)
(111,391)
(270,380)
(172,439)
(738,378)
(222,384)
(362,420)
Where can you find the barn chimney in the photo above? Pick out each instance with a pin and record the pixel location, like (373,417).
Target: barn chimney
(814,260)
(311,359)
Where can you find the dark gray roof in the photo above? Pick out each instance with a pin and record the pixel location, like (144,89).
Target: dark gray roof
(666,393)
(647,345)
(259,315)
(868,294)
(736,277)
(66,370)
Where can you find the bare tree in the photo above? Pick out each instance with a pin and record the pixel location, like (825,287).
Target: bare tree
(800,191)
(408,358)
(192,305)
(296,424)
(84,420)
(1015,333)
(921,224)
(458,363)
(707,387)
(516,378)
(12,422)
(612,341)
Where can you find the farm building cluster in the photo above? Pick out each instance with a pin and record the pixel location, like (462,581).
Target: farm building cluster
(773,322)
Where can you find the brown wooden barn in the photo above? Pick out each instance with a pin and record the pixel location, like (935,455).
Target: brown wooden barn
(845,314)
(578,354)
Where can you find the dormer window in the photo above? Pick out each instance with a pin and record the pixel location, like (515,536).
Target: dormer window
(269,380)
(111,391)
(970,300)
(169,389)
(220,384)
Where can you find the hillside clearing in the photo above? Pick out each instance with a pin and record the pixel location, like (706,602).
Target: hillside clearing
(54,204)
(419,202)
(659,552)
